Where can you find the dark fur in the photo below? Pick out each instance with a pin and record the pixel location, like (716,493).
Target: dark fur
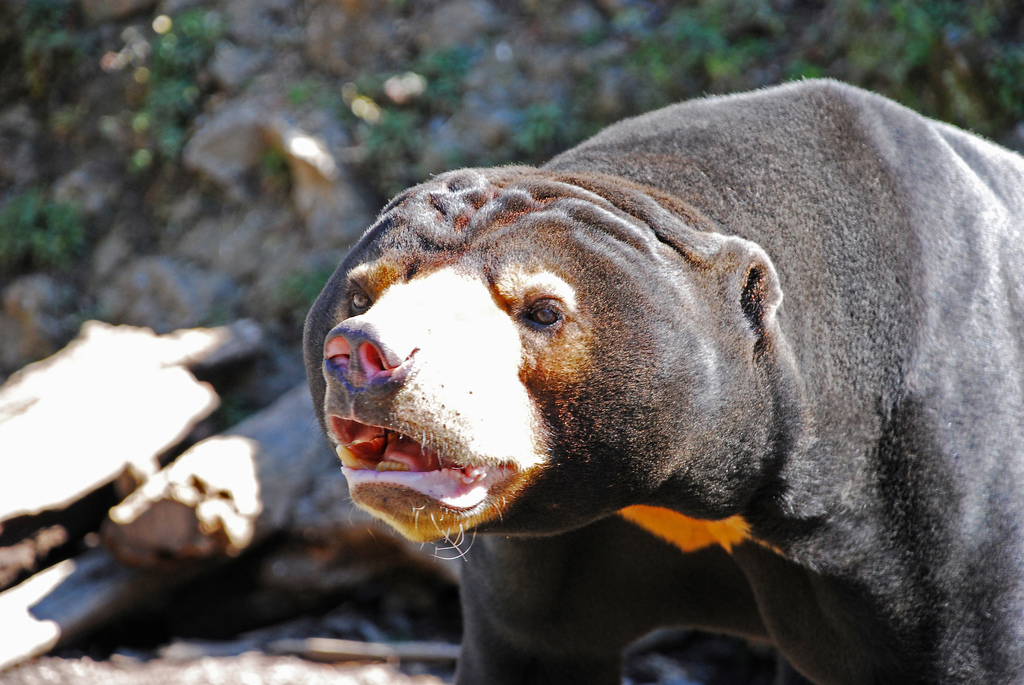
(870,430)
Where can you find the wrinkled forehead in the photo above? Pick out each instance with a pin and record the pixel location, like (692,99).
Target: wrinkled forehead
(504,224)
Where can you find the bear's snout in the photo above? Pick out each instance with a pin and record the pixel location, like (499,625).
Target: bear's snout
(357,354)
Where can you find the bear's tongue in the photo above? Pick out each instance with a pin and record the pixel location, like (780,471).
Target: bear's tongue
(402,451)
(379,449)
(390,452)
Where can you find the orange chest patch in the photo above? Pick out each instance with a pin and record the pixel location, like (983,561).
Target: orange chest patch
(686,533)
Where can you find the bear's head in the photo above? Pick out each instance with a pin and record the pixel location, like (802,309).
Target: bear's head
(524,351)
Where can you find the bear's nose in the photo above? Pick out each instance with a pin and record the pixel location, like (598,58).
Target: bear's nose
(356,352)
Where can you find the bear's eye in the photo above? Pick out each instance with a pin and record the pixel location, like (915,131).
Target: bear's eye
(360,302)
(544,315)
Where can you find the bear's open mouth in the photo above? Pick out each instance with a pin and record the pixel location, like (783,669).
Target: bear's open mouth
(374,455)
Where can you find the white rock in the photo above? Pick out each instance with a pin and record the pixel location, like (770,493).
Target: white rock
(116,397)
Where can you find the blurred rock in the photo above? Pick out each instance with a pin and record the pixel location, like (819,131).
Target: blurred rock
(99,11)
(231,65)
(28,554)
(582,20)
(186,209)
(270,375)
(238,341)
(616,89)
(442,149)
(322,193)
(262,248)
(18,131)
(232,243)
(257,22)
(484,126)
(34,320)
(164,294)
(235,139)
(354,36)
(1015,139)
(551,67)
(227,146)
(110,253)
(459,22)
(225,492)
(172,7)
(94,186)
(273,473)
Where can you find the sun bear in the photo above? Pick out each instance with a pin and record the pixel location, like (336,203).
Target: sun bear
(752,364)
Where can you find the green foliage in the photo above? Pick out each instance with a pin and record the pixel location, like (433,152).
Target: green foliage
(394,142)
(172,93)
(183,50)
(957,61)
(275,174)
(302,92)
(943,58)
(894,43)
(699,48)
(543,130)
(296,294)
(1006,71)
(800,69)
(593,37)
(65,120)
(445,71)
(50,50)
(392,146)
(39,233)
(140,160)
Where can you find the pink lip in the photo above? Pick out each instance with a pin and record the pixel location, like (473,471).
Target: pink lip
(455,488)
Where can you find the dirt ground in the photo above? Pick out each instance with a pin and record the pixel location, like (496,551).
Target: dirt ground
(246,669)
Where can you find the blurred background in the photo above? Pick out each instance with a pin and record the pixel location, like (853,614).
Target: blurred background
(205,164)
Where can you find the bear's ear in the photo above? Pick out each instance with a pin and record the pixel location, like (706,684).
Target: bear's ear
(748,279)
(745,271)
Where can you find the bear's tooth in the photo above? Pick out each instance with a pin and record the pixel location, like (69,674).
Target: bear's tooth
(348,457)
(392,466)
